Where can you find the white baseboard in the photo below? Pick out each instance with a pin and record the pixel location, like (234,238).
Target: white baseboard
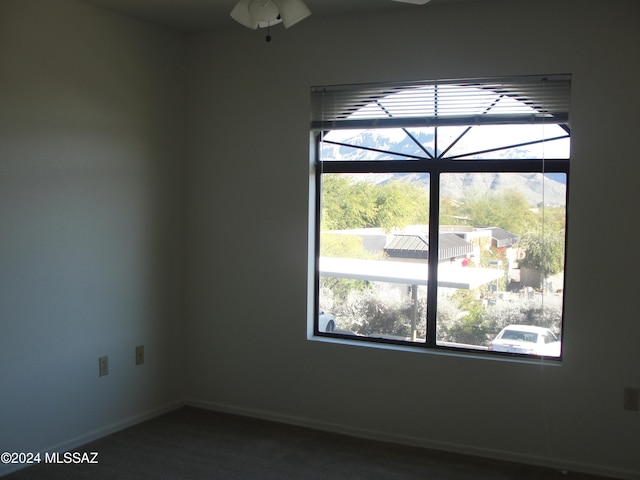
(88,437)
(553,463)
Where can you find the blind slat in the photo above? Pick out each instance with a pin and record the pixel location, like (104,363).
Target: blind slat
(515,100)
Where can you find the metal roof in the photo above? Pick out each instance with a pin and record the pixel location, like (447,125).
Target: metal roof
(502,238)
(417,246)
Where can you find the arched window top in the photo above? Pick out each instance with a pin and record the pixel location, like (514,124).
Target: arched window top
(518,117)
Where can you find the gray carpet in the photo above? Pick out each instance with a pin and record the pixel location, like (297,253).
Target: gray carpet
(194,444)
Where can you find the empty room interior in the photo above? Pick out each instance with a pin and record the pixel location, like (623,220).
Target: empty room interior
(155,165)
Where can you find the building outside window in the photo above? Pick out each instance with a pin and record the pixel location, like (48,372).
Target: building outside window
(440,213)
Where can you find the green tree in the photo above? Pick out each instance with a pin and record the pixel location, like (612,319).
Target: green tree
(349,204)
(553,218)
(544,251)
(460,319)
(400,203)
(450,212)
(344,246)
(508,210)
(346,205)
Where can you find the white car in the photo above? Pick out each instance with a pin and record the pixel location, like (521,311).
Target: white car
(326,322)
(526,339)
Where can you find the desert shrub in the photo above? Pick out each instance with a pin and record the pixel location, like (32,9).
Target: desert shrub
(380,310)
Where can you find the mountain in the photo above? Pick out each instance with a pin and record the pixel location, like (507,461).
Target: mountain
(549,189)
(536,188)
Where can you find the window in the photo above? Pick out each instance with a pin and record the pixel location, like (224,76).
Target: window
(476,170)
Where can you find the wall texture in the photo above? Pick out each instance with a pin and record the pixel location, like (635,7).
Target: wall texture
(91,209)
(248,232)
(154,189)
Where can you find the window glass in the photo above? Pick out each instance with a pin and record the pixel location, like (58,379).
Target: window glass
(515,224)
(505,142)
(381,144)
(364,283)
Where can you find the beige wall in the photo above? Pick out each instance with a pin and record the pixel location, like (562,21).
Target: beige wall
(248,259)
(97,153)
(91,207)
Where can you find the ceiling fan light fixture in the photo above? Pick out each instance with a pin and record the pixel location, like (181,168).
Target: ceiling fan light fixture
(292,11)
(241,14)
(263,13)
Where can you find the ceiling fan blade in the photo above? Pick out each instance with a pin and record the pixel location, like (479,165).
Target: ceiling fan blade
(414,2)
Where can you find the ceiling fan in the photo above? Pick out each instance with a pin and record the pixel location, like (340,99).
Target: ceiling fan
(265,13)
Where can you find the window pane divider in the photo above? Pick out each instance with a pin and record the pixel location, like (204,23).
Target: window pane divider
(439,121)
(445,165)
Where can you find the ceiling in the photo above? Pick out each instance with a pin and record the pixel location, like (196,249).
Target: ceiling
(194,15)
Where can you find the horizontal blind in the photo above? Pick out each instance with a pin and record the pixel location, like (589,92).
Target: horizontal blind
(487,101)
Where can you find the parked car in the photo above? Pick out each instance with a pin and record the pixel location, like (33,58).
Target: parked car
(326,322)
(526,339)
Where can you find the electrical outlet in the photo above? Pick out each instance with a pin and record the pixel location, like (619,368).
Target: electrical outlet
(139,354)
(103,366)
(632,399)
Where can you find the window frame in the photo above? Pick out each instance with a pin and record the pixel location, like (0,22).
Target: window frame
(435,167)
